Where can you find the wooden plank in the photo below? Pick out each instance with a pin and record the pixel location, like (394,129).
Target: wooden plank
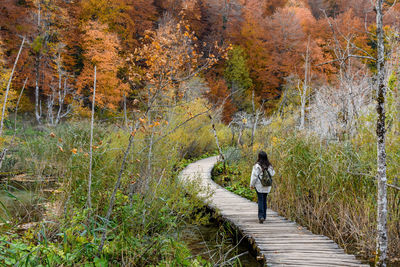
(281,241)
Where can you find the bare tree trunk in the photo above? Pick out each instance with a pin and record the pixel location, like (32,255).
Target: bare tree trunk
(216,139)
(255,118)
(125,114)
(4,152)
(61,92)
(382,239)
(37,67)
(89,196)
(303,95)
(50,103)
(239,141)
(9,86)
(256,115)
(149,157)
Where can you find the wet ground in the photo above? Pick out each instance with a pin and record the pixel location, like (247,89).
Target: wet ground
(213,243)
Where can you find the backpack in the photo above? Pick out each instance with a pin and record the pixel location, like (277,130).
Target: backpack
(266,179)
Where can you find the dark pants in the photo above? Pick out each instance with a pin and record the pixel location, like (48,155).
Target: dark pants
(262,205)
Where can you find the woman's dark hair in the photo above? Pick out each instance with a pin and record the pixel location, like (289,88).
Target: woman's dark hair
(263,160)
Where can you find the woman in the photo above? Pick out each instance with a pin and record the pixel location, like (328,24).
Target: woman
(255,182)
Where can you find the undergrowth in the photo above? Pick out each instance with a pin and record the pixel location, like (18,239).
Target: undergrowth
(328,187)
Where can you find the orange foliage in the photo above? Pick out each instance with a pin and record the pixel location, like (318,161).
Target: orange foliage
(168,57)
(219,94)
(101,49)
(129,19)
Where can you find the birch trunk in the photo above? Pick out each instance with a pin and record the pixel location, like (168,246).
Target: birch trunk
(217,140)
(382,239)
(149,157)
(125,113)
(4,152)
(37,67)
(9,86)
(303,96)
(89,197)
(255,115)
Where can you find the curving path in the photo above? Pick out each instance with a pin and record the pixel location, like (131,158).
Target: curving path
(281,242)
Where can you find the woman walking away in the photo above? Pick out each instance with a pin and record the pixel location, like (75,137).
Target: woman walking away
(261,180)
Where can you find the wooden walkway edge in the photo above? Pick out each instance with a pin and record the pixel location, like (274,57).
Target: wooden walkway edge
(281,242)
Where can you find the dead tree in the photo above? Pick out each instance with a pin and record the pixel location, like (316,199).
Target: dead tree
(217,140)
(89,196)
(58,96)
(256,116)
(382,238)
(9,86)
(304,90)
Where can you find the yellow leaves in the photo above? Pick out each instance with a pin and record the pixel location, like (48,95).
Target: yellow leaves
(155,124)
(142,120)
(157,45)
(133,133)
(74,151)
(275,141)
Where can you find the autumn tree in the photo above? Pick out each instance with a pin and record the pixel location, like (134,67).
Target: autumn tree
(167,58)
(275,46)
(237,76)
(101,49)
(220,95)
(128,19)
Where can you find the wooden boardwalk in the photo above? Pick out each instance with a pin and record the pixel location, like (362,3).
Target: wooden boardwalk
(281,242)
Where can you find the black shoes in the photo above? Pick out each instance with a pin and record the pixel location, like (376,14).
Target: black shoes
(261,220)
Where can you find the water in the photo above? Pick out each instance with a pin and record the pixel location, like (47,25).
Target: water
(22,201)
(213,243)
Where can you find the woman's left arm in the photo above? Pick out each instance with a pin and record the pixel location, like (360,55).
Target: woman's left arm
(271,170)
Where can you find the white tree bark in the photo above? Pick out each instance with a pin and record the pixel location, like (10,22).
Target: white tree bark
(303,93)
(89,196)
(255,115)
(38,112)
(216,139)
(382,238)
(125,113)
(9,86)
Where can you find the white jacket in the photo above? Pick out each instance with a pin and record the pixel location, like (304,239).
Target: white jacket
(256,176)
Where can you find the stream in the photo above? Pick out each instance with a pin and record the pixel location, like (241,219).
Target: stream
(213,243)
(22,199)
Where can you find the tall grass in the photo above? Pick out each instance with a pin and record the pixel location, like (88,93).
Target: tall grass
(328,187)
(145,225)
